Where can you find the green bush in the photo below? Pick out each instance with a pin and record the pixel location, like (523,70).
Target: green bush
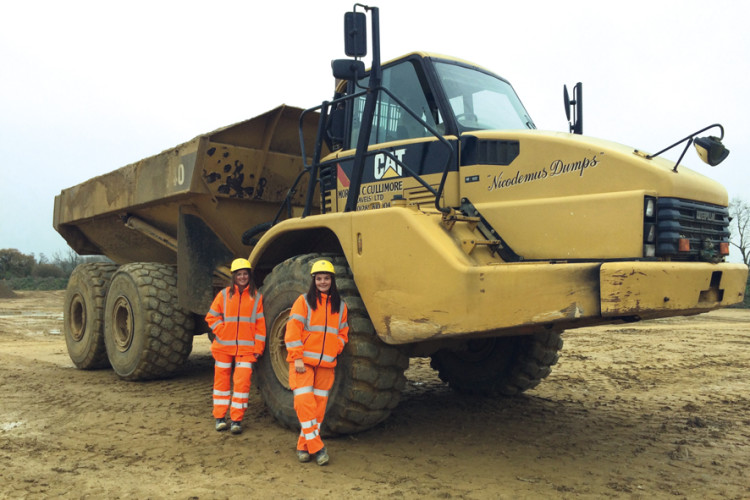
(47,271)
(31,283)
(23,272)
(14,264)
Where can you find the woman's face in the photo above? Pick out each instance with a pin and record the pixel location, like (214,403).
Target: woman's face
(242,278)
(323,282)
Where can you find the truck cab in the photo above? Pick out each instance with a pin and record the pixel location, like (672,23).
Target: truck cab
(429,102)
(450,133)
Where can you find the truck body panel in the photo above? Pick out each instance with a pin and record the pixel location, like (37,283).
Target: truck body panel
(440,296)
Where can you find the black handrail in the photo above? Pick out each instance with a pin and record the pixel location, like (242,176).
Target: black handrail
(326,105)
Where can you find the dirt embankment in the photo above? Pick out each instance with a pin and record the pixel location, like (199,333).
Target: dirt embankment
(652,410)
(5,292)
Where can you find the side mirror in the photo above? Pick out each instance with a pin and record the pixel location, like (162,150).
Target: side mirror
(576,105)
(347,69)
(711,150)
(355,34)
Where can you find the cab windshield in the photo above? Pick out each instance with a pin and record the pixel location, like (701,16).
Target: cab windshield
(481,101)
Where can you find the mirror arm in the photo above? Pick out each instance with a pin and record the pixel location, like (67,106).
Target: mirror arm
(690,141)
(686,138)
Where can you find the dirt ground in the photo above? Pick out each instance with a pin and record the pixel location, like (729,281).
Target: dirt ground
(659,409)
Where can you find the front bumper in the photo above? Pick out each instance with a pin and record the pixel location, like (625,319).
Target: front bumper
(654,289)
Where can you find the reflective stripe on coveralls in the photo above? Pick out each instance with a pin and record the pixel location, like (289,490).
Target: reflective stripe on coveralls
(240,336)
(243,370)
(245,332)
(310,390)
(310,337)
(317,357)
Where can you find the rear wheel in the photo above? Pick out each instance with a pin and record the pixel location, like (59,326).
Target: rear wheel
(83,314)
(146,334)
(499,366)
(369,373)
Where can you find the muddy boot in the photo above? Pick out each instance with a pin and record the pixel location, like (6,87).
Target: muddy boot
(221,424)
(321,458)
(303,456)
(235,428)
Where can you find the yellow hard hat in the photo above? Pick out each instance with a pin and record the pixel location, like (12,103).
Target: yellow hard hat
(238,264)
(322,266)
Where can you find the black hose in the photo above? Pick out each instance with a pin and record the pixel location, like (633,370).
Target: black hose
(247,236)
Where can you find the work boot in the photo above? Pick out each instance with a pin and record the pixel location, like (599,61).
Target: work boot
(303,456)
(235,428)
(321,458)
(221,424)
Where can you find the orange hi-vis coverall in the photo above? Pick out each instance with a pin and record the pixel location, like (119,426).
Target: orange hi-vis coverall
(317,337)
(240,337)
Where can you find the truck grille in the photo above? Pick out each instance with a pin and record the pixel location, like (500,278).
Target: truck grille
(704,225)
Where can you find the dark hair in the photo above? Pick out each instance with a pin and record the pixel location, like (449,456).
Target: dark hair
(250,283)
(313,294)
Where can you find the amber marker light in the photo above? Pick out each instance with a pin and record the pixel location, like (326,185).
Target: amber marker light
(684,245)
(724,248)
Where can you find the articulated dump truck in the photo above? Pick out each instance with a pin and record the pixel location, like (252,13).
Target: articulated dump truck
(458,231)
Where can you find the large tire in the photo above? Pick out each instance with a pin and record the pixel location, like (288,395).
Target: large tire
(83,314)
(146,334)
(504,366)
(369,373)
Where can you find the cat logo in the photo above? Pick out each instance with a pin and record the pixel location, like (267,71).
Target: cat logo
(386,167)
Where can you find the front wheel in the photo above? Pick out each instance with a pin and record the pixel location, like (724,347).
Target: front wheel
(499,366)
(369,373)
(146,334)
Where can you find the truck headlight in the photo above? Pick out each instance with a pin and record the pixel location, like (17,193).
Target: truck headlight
(649,207)
(649,226)
(649,232)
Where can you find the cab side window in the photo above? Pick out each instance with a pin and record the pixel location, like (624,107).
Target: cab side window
(392,122)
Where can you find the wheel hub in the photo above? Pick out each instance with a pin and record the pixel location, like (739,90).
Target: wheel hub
(122,324)
(77,318)
(276,348)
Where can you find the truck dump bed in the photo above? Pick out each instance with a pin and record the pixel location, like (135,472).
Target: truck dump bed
(229,180)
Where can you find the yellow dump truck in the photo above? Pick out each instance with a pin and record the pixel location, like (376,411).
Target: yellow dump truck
(458,231)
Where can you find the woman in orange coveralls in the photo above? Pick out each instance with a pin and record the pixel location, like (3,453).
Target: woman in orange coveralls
(236,318)
(316,333)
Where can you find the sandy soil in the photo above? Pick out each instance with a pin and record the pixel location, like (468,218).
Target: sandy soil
(653,410)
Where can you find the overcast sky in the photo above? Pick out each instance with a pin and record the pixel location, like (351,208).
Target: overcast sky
(89,86)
